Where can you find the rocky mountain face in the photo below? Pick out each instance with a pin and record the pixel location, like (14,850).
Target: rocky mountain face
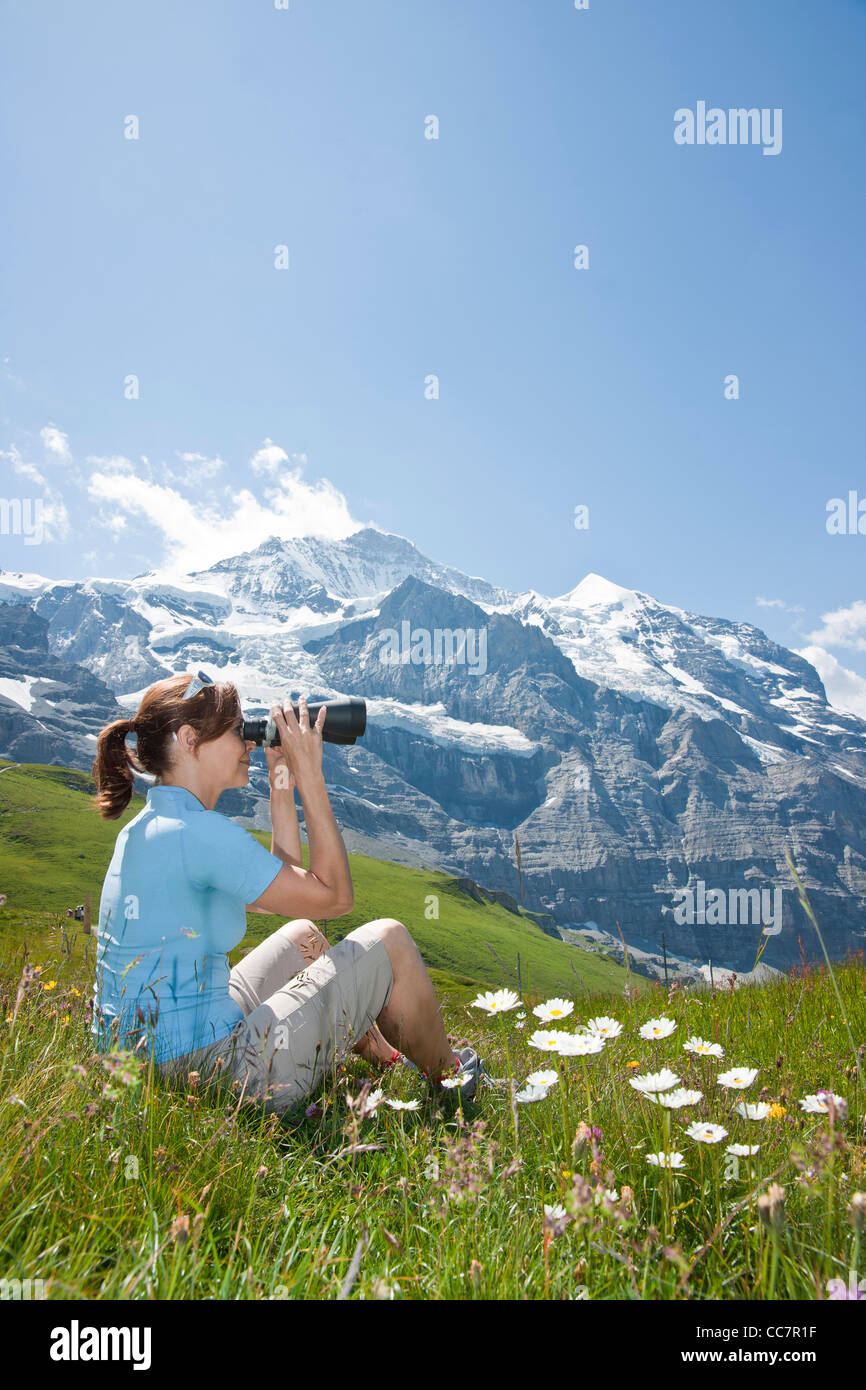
(637,753)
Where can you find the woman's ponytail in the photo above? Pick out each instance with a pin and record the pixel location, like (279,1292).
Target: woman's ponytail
(112,769)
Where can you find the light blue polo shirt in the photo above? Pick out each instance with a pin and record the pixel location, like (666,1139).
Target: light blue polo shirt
(173,905)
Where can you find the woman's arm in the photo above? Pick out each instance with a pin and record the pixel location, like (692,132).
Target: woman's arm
(325,889)
(285,831)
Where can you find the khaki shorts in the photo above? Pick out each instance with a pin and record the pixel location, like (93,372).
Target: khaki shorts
(300,1018)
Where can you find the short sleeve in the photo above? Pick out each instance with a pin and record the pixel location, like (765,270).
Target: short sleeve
(218,853)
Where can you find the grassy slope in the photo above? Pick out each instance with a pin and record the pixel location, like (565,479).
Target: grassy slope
(54,848)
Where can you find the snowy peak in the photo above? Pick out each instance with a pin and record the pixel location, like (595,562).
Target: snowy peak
(594,591)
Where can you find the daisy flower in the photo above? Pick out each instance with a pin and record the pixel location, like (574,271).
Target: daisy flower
(403,1104)
(742,1150)
(675,1100)
(367,1105)
(753,1110)
(606,1027)
(521,1015)
(654,1081)
(703,1048)
(459,1080)
(666,1160)
(553,1009)
(579,1044)
(531,1093)
(706,1133)
(542,1078)
(738,1078)
(545,1039)
(555,1212)
(658,1028)
(820,1104)
(609,1192)
(497,1001)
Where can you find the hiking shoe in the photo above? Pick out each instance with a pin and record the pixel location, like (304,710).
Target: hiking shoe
(479,1077)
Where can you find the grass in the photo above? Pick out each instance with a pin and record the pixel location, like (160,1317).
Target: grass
(114,1185)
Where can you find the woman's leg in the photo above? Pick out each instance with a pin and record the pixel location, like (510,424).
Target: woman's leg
(282,955)
(412,1019)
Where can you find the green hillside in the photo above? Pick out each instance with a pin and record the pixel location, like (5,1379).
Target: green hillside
(54,848)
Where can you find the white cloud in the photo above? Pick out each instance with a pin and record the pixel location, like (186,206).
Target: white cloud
(198,531)
(56,442)
(780,603)
(845,689)
(844,627)
(55,518)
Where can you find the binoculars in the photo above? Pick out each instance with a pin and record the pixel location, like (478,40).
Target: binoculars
(345,721)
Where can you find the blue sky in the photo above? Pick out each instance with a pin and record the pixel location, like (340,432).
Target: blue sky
(290,400)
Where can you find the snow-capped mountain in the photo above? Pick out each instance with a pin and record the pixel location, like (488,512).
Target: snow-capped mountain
(633,748)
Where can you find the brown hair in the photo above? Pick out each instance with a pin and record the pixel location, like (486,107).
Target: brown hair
(161,713)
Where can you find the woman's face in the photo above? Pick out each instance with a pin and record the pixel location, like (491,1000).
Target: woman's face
(225,761)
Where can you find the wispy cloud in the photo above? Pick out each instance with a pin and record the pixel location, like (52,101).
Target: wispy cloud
(56,442)
(780,603)
(54,516)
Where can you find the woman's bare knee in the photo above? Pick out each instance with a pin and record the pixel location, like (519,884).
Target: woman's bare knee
(305,935)
(396,939)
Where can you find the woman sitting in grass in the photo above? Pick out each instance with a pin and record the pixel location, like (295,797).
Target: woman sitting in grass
(175,898)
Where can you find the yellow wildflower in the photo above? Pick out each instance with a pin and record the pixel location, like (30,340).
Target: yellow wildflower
(49,984)
(776,1111)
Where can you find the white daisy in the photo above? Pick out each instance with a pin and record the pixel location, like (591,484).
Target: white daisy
(545,1039)
(654,1081)
(579,1044)
(753,1110)
(459,1080)
(521,1015)
(366,1106)
(658,1028)
(666,1160)
(520,1025)
(609,1192)
(706,1133)
(555,1212)
(607,1027)
(742,1150)
(553,1010)
(531,1093)
(403,1104)
(819,1104)
(675,1100)
(738,1078)
(703,1048)
(542,1078)
(497,1001)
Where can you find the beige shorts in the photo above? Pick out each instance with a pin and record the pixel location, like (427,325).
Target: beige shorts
(300,1018)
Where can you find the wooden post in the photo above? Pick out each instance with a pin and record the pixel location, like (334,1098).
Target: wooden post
(87,923)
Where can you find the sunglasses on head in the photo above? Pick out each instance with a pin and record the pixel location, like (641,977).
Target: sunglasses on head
(198,682)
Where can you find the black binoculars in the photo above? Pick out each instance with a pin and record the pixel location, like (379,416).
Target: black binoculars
(345,721)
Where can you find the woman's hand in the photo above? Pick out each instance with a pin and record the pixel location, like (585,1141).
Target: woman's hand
(300,742)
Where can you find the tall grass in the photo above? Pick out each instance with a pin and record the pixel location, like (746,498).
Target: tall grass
(113,1185)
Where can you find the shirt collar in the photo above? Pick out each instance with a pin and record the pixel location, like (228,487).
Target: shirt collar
(164,792)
